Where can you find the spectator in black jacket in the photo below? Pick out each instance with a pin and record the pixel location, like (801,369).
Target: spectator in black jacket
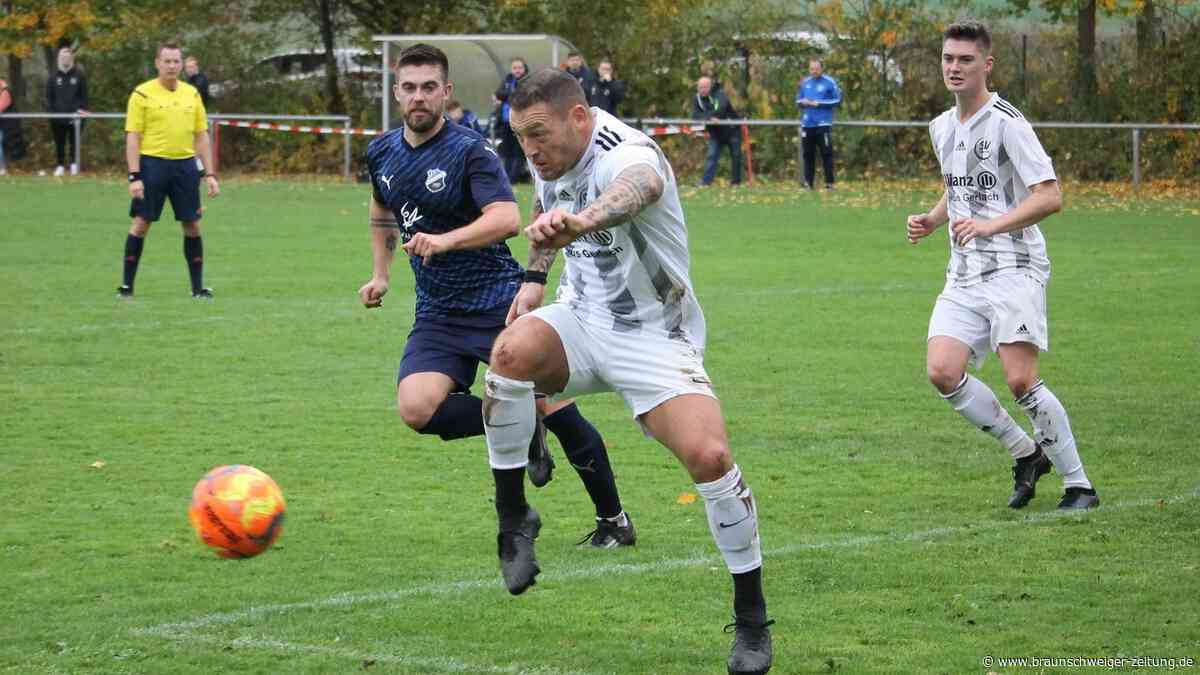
(606,93)
(582,74)
(711,104)
(66,92)
(197,78)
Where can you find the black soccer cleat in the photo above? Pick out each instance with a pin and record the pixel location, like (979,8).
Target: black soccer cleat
(541,463)
(518,564)
(203,294)
(609,534)
(1079,498)
(1026,473)
(124,292)
(751,651)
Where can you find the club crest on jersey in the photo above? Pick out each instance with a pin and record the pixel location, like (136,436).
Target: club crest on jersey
(435,180)
(983,149)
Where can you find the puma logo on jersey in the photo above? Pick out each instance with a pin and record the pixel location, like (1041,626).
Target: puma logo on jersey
(387,180)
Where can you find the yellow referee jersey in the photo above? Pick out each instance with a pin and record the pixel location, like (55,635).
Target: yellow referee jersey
(167,120)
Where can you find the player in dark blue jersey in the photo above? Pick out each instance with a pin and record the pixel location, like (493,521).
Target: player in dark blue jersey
(440,193)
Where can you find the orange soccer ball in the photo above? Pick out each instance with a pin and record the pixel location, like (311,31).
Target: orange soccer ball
(238,510)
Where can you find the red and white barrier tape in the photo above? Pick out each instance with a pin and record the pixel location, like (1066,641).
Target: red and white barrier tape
(673,129)
(294,128)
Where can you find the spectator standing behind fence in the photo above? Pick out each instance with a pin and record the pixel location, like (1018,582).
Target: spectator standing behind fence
(66,92)
(510,148)
(165,131)
(197,78)
(5,102)
(606,93)
(582,74)
(464,117)
(710,104)
(817,97)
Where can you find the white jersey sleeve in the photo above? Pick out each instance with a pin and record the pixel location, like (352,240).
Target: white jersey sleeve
(1029,158)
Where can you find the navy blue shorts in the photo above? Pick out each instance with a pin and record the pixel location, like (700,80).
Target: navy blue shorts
(450,348)
(174,179)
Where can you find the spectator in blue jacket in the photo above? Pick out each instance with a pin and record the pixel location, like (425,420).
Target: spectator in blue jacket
(464,117)
(511,154)
(817,97)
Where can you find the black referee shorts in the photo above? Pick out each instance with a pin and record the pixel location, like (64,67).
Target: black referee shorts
(174,179)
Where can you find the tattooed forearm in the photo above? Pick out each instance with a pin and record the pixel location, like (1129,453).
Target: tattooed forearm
(630,192)
(385,221)
(541,259)
(390,242)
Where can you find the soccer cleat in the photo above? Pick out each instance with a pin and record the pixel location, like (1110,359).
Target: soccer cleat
(518,564)
(59,170)
(751,651)
(203,294)
(1026,473)
(1079,498)
(124,292)
(74,169)
(609,534)
(541,463)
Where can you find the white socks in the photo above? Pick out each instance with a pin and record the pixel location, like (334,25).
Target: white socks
(509,418)
(733,520)
(975,401)
(1052,430)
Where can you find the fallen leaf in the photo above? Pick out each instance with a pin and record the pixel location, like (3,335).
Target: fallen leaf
(685,498)
(98,464)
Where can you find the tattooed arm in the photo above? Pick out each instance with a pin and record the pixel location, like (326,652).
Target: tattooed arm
(533,291)
(630,193)
(385,236)
(540,259)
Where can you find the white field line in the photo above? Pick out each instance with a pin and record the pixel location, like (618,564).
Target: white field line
(187,630)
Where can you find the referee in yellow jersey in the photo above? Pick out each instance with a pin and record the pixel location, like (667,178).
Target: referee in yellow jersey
(165,129)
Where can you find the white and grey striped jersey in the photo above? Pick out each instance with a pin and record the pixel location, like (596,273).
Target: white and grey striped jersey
(988,164)
(631,277)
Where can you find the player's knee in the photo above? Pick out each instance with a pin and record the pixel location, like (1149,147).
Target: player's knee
(1020,383)
(709,460)
(139,228)
(191,229)
(510,358)
(416,413)
(944,377)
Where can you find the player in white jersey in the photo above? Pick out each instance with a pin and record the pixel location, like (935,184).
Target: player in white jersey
(999,185)
(626,320)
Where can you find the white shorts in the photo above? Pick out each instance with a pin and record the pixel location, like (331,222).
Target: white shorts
(1002,310)
(645,370)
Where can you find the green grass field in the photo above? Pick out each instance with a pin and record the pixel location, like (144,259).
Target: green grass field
(887,541)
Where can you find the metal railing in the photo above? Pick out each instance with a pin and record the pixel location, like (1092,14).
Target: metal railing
(77,120)
(1135,129)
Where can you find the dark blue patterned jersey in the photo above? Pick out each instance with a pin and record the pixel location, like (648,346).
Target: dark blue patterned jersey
(441,185)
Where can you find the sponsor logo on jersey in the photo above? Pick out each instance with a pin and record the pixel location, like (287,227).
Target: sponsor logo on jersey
(983,149)
(987,180)
(409,217)
(435,180)
(599,238)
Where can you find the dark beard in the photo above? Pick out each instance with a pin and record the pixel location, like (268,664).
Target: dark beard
(430,123)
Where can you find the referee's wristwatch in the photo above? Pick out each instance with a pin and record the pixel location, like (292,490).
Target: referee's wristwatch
(135,176)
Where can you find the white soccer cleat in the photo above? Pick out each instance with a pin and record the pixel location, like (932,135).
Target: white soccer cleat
(58,171)
(74,169)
